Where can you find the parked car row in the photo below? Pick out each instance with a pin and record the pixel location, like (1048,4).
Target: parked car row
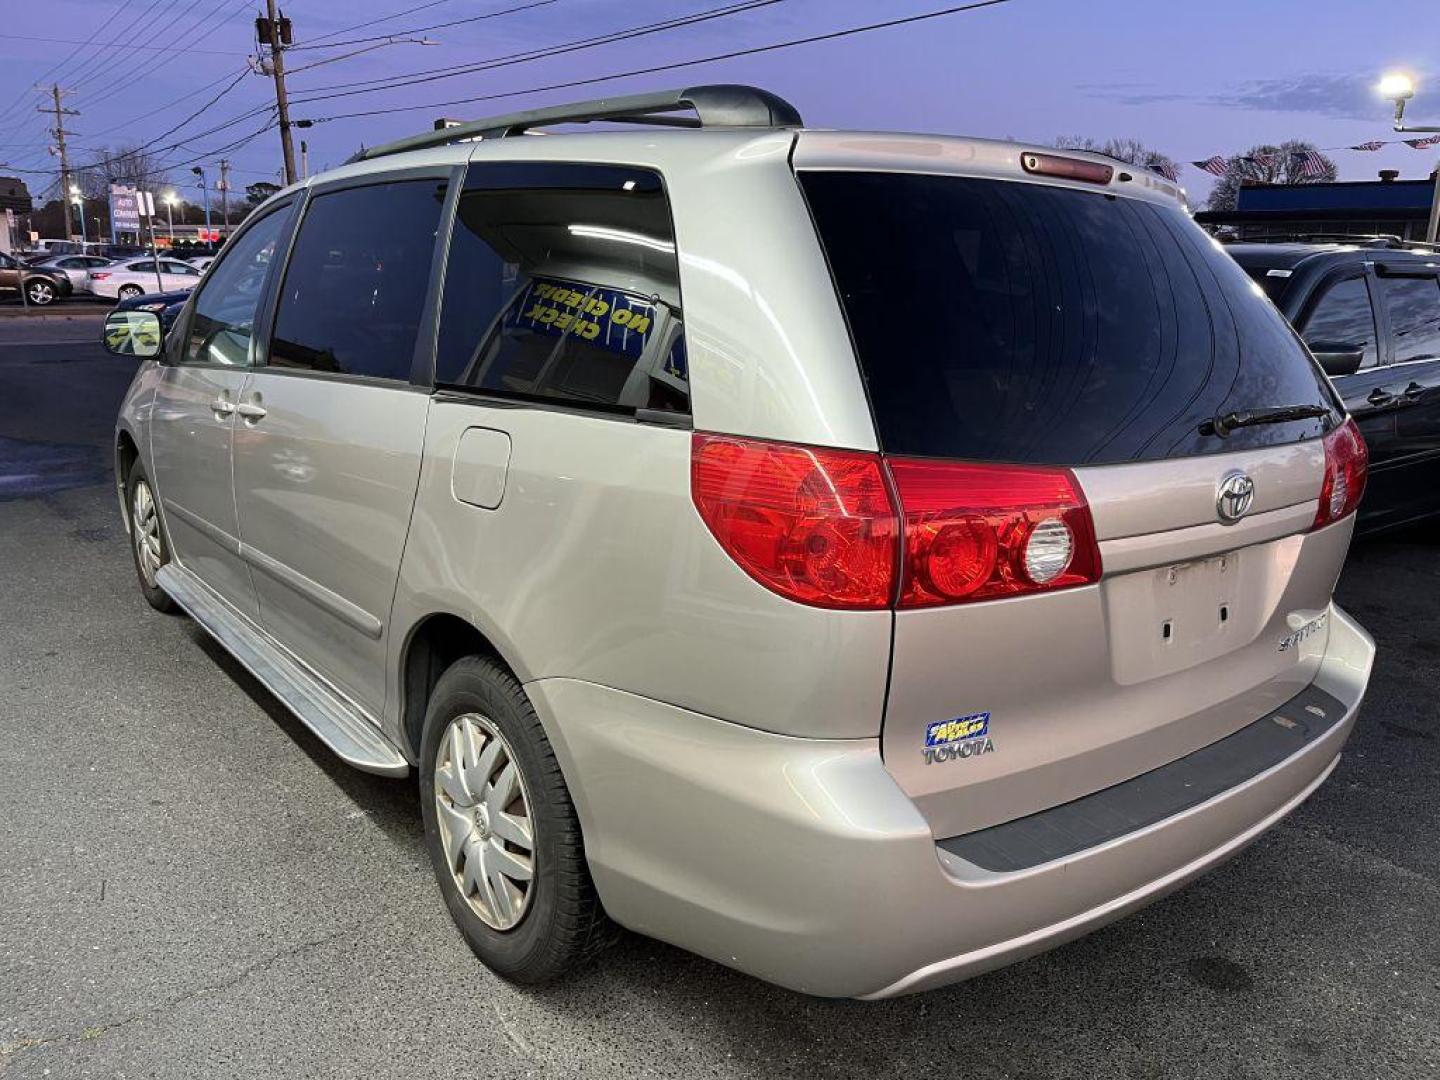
(49,278)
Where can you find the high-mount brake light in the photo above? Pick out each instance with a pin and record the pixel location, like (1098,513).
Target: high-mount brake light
(812,524)
(1066,168)
(1347,467)
(982,532)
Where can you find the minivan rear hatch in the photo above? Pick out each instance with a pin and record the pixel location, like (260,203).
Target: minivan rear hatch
(1006,320)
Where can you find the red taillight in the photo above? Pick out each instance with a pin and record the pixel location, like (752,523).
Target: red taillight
(822,526)
(1347,466)
(96,275)
(811,524)
(979,532)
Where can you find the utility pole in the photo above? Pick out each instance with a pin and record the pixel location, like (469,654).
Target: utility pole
(274,30)
(225,193)
(60,133)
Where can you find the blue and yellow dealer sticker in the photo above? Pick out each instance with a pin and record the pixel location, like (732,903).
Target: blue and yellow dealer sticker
(962,737)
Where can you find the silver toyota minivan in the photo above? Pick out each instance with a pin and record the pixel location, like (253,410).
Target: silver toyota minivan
(862,559)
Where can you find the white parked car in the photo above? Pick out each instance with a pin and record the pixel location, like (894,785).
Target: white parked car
(131,277)
(75,267)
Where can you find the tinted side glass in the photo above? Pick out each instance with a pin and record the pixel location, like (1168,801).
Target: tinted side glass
(1005,321)
(1414,308)
(1343,315)
(226,308)
(355,287)
(562,284)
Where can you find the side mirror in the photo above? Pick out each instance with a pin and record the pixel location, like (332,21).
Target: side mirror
(1338,357)
(133,333)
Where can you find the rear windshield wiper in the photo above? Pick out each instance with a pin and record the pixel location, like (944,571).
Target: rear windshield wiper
(1225,423)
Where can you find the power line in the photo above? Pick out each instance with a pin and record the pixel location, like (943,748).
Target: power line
(734,54)
(422,29)
(116,45)
(170,131)
(574,45)
(137,28)
(71,55)
(107,66)
(159,109)
(380,19)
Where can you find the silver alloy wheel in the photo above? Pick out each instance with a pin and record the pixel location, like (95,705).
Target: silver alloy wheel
(483,812)
(145,532)
(40,292)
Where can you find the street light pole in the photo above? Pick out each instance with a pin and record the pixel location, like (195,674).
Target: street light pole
(1400,89)
(205,188)
(170,215)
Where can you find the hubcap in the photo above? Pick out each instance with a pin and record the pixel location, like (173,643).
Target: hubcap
(40,293)
(145,532)
(483,812)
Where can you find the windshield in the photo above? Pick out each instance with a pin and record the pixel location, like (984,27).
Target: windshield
(1005,321)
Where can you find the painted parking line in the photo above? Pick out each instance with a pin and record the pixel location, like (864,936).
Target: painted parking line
(32,344)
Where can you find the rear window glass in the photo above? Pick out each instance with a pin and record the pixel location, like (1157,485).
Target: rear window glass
(1004,321)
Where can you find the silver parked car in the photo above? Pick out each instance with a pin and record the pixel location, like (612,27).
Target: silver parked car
(75,267)
(862,559)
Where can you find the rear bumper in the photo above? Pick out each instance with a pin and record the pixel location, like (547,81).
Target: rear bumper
(802,862)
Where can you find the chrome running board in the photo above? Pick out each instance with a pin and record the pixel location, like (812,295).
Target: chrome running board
(338,723)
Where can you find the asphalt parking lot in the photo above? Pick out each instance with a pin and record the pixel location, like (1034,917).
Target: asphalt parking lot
(190,885)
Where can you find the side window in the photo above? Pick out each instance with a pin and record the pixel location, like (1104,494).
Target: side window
(1414,308)
(184,269)
(562,285)
(1343,315)
(354,291)
(226,307)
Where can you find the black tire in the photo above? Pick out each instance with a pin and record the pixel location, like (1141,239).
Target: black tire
(155,596)
(563,924)
(128,292)
(40,291)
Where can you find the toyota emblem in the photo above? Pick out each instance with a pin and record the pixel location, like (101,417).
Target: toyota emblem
(1233,499)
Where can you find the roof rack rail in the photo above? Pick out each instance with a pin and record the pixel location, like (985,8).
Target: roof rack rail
(720,105)
(1375,240)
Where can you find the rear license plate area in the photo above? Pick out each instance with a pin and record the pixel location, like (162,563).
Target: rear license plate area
(1173,617)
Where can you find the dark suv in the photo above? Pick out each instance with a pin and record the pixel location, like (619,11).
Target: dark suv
(1370,312)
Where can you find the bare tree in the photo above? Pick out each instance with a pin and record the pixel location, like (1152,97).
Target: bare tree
(1132,151)
(1268,164)
(123,165)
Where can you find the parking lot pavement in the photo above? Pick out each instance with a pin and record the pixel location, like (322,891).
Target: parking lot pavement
(190,885)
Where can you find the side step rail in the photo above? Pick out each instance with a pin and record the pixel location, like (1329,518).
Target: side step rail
(337,723)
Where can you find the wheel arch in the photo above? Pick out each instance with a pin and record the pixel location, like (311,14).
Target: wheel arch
(127,453)
(434,643)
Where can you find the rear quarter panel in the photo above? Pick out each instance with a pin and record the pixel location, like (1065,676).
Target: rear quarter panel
(595,566)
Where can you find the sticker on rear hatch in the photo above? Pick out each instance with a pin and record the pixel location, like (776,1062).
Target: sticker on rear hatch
(963,737)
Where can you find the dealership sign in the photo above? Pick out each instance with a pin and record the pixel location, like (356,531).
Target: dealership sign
(124,209)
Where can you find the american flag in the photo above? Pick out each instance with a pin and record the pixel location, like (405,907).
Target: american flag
(1167,171)
(1215,165)
(1373,144)
(1423,144)
(1307,163)
(1265,161)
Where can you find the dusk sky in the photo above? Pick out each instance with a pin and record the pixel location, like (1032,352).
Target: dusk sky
(1191,79)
